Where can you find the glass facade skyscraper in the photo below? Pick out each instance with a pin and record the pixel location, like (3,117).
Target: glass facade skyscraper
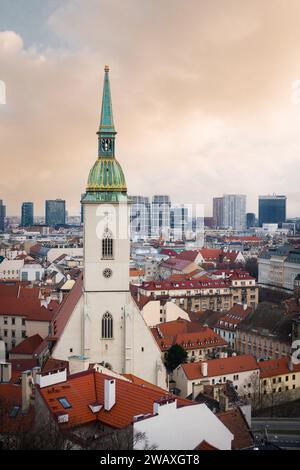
(27,214)
(55,212)
(2,216)
(140,217)
(271,209)
(160,216)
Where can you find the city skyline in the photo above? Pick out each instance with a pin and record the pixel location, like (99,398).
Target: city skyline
(217,117)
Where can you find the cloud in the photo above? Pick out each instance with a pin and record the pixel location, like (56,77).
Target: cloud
(201,98)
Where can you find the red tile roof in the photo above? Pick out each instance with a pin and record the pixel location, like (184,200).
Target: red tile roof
(216,367)
(189,335)
(65,309)
(85,388)
(235,421)
(10,396)
(24,301)
(189,255)
(234,316)
(205,446)
(28,346)
(275,367)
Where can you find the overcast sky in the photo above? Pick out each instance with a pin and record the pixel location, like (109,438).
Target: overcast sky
(202,97)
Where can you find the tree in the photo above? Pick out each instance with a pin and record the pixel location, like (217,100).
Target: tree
(176,355)
(251,267)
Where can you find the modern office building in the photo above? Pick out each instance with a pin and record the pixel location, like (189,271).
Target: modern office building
(179,221)
(160,216)
(218,210)
(140,217)
(234,211)
(2,216)
(250,219)
(271,209)
(55,212)
(27,214)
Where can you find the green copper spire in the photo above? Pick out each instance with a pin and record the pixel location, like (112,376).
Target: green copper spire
(107,120)
(106,180)
(106,132)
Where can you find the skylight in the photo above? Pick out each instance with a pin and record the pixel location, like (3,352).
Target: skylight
(64,402)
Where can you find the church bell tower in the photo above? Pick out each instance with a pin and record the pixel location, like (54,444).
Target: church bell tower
(106,247)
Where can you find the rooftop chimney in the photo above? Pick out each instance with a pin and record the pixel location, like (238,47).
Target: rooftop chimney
(204,369)
(109,394)
(5,372)
(26,389)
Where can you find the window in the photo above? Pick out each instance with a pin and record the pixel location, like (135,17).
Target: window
(23,322)
(64,402)
(107,245)
(279,379)
(13,333)
(71,350)
(286,378)
(5,320)
(14,411)
(13,321)
(23,334)
(5,333)
(274,381)
(107,325)
(142,349)
(294,376)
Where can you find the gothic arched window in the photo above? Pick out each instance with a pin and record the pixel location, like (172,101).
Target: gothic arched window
(107,245)
(107,325)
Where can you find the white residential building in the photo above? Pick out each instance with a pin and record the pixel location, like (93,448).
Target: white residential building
(195,424)
(242,371)
(10,269)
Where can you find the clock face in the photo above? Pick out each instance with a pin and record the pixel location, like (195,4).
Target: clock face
(107,273)
(106,145)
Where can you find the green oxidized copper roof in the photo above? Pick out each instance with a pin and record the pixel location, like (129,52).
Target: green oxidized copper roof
(106,180)
(106,175)
(106,120)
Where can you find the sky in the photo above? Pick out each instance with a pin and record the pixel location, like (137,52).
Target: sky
(206,98)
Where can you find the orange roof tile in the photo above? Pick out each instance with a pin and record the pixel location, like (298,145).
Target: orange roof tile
(275,367)
(28,346)
(87,387)
(216,367)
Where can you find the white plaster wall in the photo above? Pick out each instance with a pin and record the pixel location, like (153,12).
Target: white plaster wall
(186,386)
(93,264)
(190,425)
(71,337)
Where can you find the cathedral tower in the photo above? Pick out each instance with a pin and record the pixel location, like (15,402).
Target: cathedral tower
(106,245)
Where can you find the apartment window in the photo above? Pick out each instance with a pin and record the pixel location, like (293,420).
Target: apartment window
(279,389)
(274,381)
(294,376)
(71,350)
(287,387)
(13,321)
(23,334)
(279,379)
(286,378)
(64,402)
(5,333)
(142,349)
(265,382)
(213,381)
(5,320)
(294,386)
(13,333)
(23,322)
